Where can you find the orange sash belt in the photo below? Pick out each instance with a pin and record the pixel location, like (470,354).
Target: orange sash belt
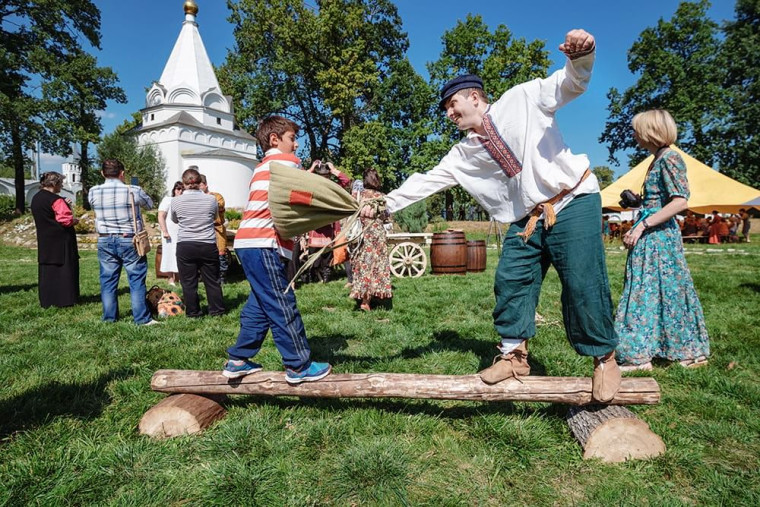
(548,208)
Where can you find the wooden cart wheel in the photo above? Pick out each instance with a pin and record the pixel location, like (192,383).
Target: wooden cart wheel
(408,260)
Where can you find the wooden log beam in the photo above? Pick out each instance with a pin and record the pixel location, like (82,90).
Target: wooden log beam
(568,390)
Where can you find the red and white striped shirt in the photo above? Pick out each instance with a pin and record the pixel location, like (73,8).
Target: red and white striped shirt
(257,227)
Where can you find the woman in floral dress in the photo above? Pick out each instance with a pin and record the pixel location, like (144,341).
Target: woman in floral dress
(369,259)
(659,315)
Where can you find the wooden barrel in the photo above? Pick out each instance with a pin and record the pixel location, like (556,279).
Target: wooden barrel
(448,253)
(476,255)
(159,254)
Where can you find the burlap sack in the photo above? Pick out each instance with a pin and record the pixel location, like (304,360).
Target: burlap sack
(301,201)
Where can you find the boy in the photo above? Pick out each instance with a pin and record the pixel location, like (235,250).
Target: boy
(259,247)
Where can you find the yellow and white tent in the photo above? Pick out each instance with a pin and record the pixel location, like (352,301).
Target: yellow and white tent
(710,190)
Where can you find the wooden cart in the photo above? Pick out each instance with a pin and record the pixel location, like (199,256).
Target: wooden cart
(407,257)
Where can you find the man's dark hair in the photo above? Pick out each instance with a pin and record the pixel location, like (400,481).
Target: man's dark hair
(371,179)
(112,168)
(274,125)
(191,178)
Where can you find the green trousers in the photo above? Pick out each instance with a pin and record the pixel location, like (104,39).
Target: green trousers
(575,248)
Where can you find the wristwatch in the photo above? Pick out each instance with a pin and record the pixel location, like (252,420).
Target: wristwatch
(645,224)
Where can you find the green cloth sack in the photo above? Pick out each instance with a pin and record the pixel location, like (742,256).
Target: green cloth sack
(301,201)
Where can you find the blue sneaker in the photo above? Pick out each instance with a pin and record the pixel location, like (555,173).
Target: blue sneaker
(315,371)
(242,368)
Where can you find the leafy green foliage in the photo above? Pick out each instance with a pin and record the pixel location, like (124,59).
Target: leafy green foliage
(36,37)
(75,91)
(604,174)
(413,218)
(739,153)
(143,162)
(678,69)
(7,206)
(321,67)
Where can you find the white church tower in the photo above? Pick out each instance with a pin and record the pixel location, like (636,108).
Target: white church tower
(191,122)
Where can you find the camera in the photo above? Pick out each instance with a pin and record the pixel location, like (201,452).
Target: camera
(321,168)
(629,199)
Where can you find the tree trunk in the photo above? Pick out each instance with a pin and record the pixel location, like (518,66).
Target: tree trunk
(570,390)
(613,433)
(180,414)
(18,165)
(84,164)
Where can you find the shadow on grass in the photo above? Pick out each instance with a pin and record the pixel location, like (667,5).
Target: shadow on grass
(9,289)
(325,348)
(751,286)
(95,298)
(41,404)
(432,408)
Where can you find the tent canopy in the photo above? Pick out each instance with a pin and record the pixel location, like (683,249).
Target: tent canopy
(710,190)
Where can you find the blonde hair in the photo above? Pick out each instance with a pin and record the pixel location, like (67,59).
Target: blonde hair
(656,127)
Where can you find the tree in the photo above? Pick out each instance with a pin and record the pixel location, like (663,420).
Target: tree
(29,30)
(604,174)
(75,93)
(323,68)
(740,58)
(142,162)
(678,70)
(501,61)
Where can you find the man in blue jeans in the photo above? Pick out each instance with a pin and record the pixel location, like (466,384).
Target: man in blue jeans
(113,222)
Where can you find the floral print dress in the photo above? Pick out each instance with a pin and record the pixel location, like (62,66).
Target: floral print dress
(659,314)
(369,260)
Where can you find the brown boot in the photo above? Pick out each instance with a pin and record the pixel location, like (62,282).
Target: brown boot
(606,380)
(515,364)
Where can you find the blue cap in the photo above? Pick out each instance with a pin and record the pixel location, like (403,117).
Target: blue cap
(459,83)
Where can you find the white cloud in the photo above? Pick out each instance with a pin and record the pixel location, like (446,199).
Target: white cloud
(105,114)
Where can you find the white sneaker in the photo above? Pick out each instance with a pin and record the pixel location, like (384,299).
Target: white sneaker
(151,322)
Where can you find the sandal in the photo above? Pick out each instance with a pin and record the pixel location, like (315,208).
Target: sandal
(636,367)
(693,363)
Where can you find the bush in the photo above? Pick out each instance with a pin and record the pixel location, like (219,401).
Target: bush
(233,214)
(151,217)
(412,218)
(439,224)
(7,206)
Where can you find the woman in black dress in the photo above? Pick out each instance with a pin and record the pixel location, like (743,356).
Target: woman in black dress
(57,254)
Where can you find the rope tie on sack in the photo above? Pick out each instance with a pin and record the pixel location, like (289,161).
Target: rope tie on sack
(342,239)
(547,209)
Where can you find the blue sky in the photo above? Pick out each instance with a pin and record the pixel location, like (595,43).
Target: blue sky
(138,36)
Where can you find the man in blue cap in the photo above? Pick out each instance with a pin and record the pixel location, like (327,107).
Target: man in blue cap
(515,163)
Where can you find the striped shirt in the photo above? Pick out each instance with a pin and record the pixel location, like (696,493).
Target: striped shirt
(257,227)
(113,210)
(194,212)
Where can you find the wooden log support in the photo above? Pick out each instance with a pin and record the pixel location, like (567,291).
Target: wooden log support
(569,390)
(613,434)
(180,414)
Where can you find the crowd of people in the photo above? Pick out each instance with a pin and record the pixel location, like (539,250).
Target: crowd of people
(514,163)
(714,228)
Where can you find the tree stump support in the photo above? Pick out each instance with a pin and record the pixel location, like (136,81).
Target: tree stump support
(613,433)
(181,414)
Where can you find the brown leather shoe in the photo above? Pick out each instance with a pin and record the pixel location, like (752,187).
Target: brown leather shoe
(606,380)
(512,365)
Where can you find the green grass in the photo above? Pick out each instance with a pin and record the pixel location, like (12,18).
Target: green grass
(74,389)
